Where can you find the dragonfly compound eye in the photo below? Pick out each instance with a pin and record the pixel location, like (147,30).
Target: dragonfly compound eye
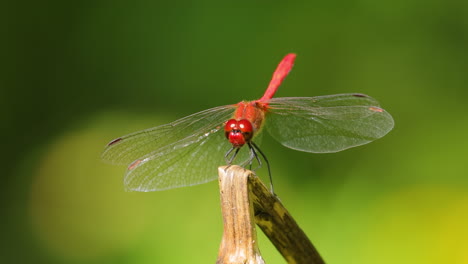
(246,128)
(230,126)
(238,132)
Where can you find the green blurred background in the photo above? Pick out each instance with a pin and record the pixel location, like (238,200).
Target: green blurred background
(76,74)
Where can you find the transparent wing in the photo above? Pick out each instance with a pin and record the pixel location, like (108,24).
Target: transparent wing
(189,162)
(327,123)
(126,149)
(182,153)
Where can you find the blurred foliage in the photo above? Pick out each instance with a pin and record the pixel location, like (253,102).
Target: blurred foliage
(77,74)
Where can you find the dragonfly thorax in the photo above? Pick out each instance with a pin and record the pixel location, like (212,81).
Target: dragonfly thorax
(238,132)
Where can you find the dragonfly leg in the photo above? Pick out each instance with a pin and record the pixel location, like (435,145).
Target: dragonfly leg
(228,159)
(254,149)
(248,162)
(254,155)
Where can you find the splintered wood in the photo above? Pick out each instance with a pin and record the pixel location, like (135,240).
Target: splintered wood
(245,201)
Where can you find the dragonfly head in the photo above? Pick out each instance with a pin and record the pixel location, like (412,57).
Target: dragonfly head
(238,132)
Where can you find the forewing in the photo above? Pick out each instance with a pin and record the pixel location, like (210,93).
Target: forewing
(129,148)
(185,152)
(327,123)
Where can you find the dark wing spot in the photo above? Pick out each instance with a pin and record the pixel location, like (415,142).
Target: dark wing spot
(114,141)
(360,95)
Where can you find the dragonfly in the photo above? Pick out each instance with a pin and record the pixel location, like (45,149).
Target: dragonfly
(188,151)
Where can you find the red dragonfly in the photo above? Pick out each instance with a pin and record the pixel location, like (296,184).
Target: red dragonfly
(188,151)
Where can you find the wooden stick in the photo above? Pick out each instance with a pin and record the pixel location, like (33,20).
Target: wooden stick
(245,201)
(239,242)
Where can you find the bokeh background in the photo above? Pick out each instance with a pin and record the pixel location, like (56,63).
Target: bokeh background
(76,74)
